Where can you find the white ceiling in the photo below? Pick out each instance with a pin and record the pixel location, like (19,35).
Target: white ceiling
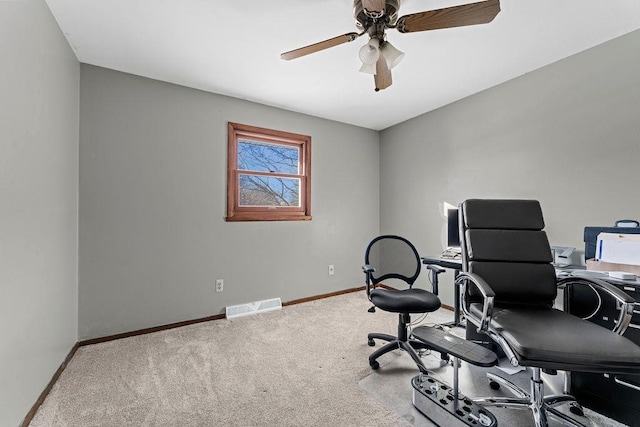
(233,48)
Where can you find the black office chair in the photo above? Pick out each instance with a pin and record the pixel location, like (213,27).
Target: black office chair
(508,288)
(394,257)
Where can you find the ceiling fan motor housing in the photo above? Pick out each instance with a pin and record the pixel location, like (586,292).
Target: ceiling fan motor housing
(364,21)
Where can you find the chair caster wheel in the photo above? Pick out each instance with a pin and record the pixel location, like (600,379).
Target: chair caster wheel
(371,342)
(576,409)
(494,385)
(374,364)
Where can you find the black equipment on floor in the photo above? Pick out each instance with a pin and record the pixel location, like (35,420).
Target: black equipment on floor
(442,404)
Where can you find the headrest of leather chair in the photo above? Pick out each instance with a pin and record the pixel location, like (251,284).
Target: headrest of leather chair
(503,214)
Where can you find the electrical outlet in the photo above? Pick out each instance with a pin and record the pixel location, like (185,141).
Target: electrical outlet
(219,285)
(331,270)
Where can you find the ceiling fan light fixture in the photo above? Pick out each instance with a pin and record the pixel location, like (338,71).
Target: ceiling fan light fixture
(368,69)
(391,55)
(370,52)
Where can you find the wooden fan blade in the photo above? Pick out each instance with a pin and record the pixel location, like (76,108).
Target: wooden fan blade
(383,75)
(457,16)
(316,47)
(376,6)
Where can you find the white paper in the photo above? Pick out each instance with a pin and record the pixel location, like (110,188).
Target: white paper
(618,248)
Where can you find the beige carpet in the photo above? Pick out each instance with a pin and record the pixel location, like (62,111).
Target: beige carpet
(293,367)
(305,365)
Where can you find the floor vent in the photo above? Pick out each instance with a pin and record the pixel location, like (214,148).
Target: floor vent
(233,311)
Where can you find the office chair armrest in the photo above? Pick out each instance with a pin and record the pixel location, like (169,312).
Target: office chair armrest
(435,268)
(488,296)
(625,301)
(368,270)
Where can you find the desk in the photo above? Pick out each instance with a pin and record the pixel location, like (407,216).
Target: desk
(616,396)
(456,265)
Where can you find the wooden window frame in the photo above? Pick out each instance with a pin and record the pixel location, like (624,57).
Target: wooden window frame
(235,212)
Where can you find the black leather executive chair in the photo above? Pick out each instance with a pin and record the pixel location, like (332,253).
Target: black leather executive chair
(508,289)
(394,257)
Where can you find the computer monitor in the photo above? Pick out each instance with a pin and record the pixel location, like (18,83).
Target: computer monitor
(453,232)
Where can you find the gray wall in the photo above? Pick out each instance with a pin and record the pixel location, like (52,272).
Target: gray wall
(153,239)
(153,178)
(39,84)
(567,134)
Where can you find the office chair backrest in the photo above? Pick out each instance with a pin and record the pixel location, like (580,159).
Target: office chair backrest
(503,242)
(393,257)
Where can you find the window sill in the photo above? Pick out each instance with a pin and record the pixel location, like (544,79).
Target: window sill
(254,217)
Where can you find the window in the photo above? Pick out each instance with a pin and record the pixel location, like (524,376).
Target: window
(268,175)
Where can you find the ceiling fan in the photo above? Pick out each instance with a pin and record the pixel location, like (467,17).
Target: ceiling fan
(373,17)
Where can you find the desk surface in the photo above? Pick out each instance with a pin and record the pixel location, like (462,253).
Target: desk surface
(569,271)
(454,264)
(600,275)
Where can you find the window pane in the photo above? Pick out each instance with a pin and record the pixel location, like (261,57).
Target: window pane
(264,157)
(258,190)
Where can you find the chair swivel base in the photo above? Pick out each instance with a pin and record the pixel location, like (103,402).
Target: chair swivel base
(394,343)
(540,406)
(403,342)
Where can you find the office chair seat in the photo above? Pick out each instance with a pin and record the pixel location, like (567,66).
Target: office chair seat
(405,300)
(560,348)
